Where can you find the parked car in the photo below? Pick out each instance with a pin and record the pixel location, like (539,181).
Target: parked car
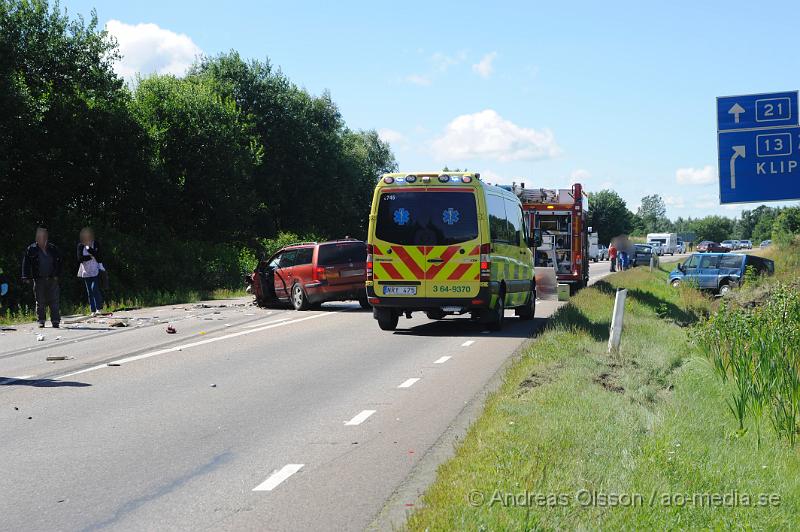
(728,244)
(680,247)
(602,252)
(707,246)
(658,249)
(310,273)
(765,243)
(642,255)
(718,271)
(747,244)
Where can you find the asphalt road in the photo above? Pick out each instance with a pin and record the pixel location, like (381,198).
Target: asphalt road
(246,419)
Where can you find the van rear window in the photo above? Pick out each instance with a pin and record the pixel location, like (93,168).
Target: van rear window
(427,218)
(341,253)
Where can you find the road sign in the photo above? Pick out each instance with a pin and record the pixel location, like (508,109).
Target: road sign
(758,141)
(757,110)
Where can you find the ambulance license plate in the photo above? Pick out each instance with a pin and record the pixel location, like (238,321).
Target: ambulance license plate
(399,290)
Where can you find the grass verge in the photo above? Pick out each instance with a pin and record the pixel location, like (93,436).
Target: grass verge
(578,439)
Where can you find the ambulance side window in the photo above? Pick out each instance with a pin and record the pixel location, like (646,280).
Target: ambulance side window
(498,223)
(514,216)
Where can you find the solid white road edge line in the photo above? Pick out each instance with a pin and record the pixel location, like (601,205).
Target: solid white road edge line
(278,476)
(195,344)
(409,382)
(360,417)
(468,343)
(441,360)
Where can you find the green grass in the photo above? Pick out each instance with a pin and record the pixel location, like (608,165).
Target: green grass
(144,299)
(650,422)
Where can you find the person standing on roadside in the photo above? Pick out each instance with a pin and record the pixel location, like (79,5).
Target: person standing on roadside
(41,266)
(612,256)
(90,265)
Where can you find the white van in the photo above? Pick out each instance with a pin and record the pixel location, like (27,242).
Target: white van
(668,241)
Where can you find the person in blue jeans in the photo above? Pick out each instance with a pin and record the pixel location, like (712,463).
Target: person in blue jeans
(91,264)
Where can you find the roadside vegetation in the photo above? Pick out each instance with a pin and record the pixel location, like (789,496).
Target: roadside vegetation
(182,177)
(576,438)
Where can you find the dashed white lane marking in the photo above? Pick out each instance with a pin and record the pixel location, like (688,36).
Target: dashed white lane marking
(360,417)
(134,358)
(468,343)
(278,476)
(441,360)
(409,383)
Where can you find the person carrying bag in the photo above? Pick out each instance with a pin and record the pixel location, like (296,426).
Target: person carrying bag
(91,269)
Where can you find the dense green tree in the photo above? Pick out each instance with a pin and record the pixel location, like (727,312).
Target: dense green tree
(786,225)
(652,215)
(608,215)
(715,228)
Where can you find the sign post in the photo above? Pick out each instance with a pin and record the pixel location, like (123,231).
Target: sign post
(758,140)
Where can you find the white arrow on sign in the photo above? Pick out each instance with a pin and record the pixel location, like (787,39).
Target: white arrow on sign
(738,151)
(736,110)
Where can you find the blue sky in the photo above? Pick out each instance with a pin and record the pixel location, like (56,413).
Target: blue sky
(616,95)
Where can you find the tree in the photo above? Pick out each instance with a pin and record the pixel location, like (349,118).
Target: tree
(608,215)
(786,225)
(652,214)
(715,228)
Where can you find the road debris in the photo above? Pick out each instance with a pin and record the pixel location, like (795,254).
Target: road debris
(171,329)
(117,323)
(213,385)
(113,364)
(40,338)
(56,357)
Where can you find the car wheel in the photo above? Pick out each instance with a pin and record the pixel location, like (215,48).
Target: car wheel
(675,283)
(387,318)
(724,288)
(364,301)
(527,311)
(299,299)
(498,313)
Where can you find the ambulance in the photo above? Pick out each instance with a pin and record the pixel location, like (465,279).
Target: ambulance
(448,244)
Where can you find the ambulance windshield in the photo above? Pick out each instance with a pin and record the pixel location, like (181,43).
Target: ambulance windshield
(427,218)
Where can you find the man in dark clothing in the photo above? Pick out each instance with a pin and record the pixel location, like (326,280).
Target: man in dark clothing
(42,265)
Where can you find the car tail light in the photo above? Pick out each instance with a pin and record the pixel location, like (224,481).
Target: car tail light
(369,262)
(319,274)
(486,264)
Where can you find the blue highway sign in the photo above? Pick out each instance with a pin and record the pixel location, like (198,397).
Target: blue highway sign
(757,111)
(759,165)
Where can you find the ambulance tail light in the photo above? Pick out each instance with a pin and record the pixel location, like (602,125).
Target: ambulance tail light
(486,264)
(369,262)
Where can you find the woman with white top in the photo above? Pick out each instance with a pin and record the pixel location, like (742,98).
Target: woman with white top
(91,264)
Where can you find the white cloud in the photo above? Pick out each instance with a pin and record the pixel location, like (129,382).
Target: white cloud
(148,49)
(676,202)
(484,67)
(442,61)
(696,176)
(393,137)
(488,135)
(418,79)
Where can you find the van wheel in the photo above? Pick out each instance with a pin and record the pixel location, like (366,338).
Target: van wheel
(299,299)
(527,311)
(498,314)
(387,318)
(724,288)
(675,283)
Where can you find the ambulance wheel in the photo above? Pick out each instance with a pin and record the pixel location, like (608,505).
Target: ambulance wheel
(527,311)
(498,313)
(387,318)
(435,314)
(299,299)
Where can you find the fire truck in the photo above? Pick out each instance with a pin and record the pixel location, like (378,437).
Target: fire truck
(560,215)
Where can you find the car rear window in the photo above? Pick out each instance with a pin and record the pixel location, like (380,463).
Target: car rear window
(341,253)
(427,218)
(731,261)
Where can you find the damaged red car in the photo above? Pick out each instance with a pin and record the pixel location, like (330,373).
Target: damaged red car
(308,274)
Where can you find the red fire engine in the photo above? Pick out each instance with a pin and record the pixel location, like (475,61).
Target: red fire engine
(560,215)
